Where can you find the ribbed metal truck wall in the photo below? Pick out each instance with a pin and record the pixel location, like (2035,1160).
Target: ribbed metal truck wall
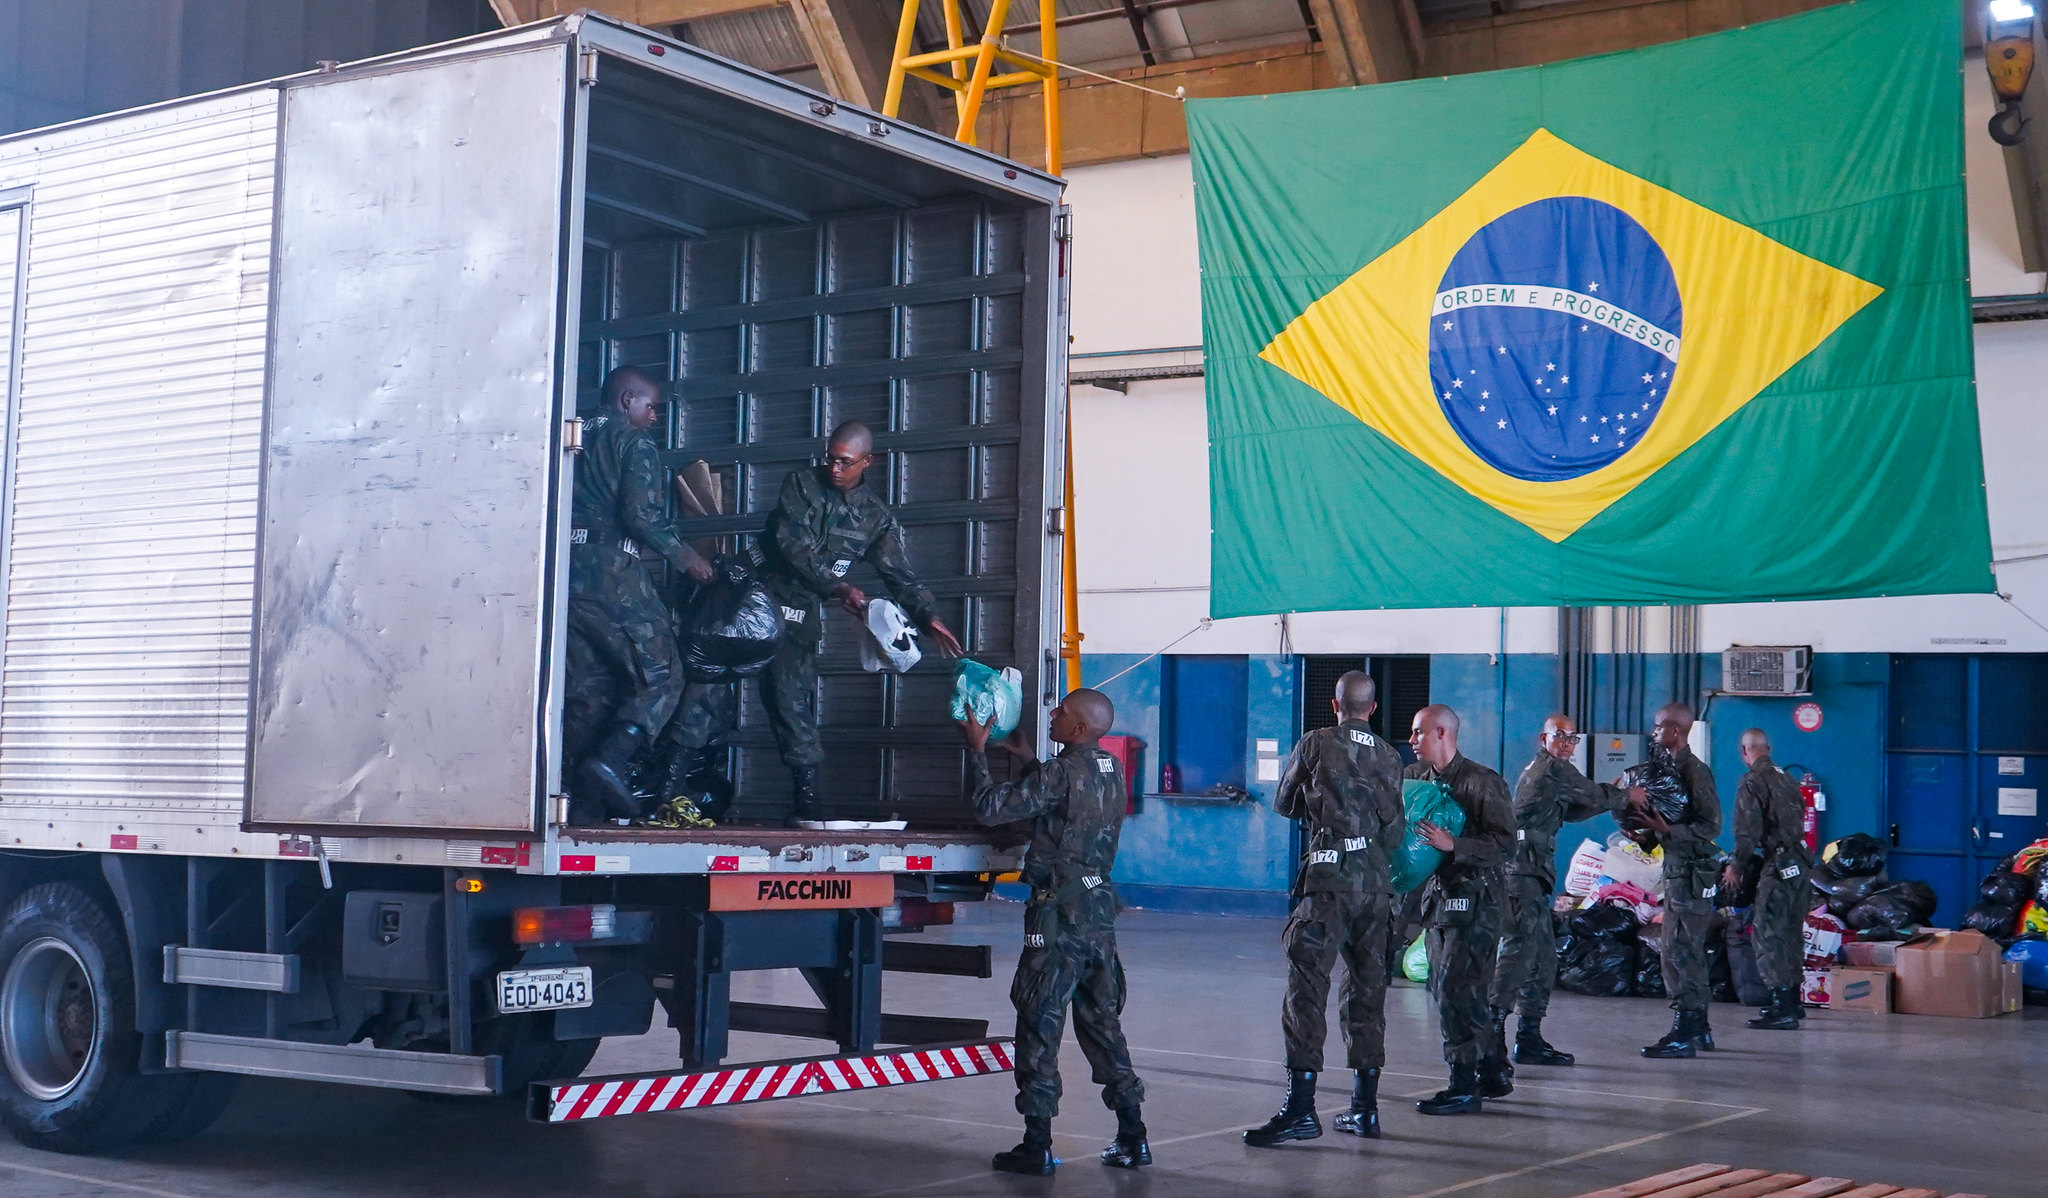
(129,550)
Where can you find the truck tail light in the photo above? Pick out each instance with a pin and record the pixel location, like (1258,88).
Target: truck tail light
(916,913)
(563,925)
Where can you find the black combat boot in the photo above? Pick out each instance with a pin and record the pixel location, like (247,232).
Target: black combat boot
(1461,1097)
(806,809)
(1033,1155)
(1681,1040)
(1129,1150)
(1532,1049)
(1496,1076)
(1363,1119)
(1703,1035)
(1296,1118)
(602,778)
(1782,1015)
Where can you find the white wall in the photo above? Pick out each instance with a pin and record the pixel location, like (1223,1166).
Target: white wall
(1142,484)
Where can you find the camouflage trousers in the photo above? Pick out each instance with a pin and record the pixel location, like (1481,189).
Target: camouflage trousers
(1078,967)
(705,716)
(1778,922)
(1526,967)
(622,667)
(1461,966)
(1323,927)
(1689,887)
(789,692)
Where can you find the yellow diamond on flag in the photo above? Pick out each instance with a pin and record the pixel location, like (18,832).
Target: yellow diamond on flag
(1562,331)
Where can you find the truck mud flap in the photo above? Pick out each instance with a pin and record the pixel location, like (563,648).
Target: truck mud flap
(586,1098)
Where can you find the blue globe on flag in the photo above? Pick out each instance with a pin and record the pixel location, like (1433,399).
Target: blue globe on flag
(1554,338)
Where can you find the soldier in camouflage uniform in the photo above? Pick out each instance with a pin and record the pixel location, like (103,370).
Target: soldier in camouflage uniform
(1463,906)
(1770,823)
(1344,785)
(1550,793)
(1690,883)
(824,522)
(622,665)
(1075,806)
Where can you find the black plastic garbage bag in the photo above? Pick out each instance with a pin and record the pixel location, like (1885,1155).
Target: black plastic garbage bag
(1668,798)
(1854,856)
(1843,894)
(1649,978)
(731,626)
(1993,920)
(1597,954)
(1883,913)
(2005,888)
(1917,895)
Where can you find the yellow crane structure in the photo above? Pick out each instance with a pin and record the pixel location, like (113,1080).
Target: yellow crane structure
(969,72)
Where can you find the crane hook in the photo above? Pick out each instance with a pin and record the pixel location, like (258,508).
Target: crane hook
(2008,125)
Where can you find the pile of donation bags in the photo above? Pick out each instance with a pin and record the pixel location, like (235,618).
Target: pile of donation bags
(1611,915)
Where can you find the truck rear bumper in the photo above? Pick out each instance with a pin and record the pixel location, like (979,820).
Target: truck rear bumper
(644,1093)
(606,850)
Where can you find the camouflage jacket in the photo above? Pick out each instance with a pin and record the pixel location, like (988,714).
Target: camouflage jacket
(1075,806)
(1344,785)
(1474,872)
(1550,794)
(1691,840)
(817,532)
(621,500)
(1770,815)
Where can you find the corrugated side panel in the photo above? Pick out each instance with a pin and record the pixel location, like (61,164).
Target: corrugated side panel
(132,544)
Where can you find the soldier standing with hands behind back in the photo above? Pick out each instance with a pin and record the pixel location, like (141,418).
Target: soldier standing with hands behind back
(1075,805)
(1344,785)
(1463,906)
(1770,822)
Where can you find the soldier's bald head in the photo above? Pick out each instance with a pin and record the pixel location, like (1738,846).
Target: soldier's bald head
(1756,738)
(1092,708)
(1356,696)
(1434,735)
(1676,713)
(628,380)
(853,437)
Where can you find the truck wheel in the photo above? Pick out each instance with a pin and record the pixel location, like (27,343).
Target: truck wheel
(68,1042)
(530,1051)
(193,1108)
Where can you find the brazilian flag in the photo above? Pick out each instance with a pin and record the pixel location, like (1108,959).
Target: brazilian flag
(1688,324)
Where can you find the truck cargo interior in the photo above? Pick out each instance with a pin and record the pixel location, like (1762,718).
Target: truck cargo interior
(789,278)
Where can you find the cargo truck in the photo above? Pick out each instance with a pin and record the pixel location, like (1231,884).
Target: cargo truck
(293,375)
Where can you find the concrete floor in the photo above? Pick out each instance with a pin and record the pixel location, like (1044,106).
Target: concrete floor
(1951,1104)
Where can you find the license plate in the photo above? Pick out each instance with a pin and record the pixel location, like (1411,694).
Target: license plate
(543,989)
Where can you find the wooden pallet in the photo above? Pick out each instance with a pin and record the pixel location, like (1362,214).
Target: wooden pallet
(1721,1181)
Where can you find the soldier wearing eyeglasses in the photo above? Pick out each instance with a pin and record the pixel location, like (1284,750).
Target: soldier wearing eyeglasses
(825,521)
(1550,793)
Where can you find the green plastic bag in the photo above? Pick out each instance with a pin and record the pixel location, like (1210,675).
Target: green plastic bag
(1415,961)
(1416,859)
(984,692)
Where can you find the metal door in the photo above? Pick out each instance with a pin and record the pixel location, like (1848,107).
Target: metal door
(411,447)
(1967,755)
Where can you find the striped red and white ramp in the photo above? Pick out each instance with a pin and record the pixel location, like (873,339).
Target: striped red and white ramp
(645,1093)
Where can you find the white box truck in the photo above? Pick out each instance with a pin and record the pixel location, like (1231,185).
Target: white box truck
(292,378)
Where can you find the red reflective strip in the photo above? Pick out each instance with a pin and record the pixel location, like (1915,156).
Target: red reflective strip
(844,1069)
(579,864)
(917,863)
(725,864)
(626,1096)
(583,1102)
(121,841)
(1003,1059)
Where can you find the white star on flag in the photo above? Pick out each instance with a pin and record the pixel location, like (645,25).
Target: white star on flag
(1589,287)
(1482,394)
(1550,366)
(1500,349)
(1563,378)
(1646,378)
(1596,436)
(1447,326)
(1553,409)
(1501,423)
(1457,382)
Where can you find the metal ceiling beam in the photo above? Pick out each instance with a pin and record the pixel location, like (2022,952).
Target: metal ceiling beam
(661,220)
(1368,41)
(1138,34)
(754,200)
(851,41)
(652,14)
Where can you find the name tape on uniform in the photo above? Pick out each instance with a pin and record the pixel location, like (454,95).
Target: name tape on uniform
(1363,738)
(794,615)
(1458,904)
(1106,765)
(840,567)
(1353,844)
(1324,857)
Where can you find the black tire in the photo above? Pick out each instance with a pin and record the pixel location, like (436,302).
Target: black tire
(69,1051)
(197,1103)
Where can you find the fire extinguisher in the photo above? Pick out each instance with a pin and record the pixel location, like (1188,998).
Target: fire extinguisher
(1815,801)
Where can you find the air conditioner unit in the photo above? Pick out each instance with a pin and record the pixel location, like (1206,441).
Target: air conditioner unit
(1767,670)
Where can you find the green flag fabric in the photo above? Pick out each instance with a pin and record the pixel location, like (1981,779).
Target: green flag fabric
(1688,324)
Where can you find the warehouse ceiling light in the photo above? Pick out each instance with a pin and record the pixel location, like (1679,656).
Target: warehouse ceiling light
(2009,58)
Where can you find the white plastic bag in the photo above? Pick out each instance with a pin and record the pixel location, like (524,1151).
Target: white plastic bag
(891,642)
(980,693)
(1627,862)
(1588,863)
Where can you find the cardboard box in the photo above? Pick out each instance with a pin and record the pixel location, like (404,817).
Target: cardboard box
(1860,991)
(1871,954)
(1961,975)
